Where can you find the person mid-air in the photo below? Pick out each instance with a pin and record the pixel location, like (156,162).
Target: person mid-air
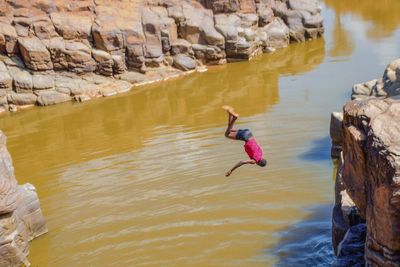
(251,147)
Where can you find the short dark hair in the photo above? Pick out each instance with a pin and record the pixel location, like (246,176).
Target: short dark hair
(262,163)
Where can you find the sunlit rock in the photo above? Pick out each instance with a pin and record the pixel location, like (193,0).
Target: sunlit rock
(21,219)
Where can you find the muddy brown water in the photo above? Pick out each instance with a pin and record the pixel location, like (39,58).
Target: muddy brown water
(138,179)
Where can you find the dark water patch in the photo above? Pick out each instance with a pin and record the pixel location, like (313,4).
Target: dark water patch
(308,242)
(351,252)
(320,150)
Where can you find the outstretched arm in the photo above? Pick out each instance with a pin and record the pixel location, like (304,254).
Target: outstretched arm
(239,164)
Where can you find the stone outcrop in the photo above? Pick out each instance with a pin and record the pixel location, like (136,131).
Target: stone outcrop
(21,219)
(110,38)
(369,173)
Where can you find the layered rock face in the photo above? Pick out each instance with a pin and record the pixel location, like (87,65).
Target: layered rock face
(21,219)
(50,47)
(370,168)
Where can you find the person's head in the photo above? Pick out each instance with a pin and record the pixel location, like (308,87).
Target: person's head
(262,163)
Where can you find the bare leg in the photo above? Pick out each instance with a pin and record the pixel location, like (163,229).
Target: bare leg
(231,133)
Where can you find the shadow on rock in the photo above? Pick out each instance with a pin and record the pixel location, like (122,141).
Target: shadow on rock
(308,242)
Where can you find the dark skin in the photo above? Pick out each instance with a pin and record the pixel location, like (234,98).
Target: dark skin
(231,134)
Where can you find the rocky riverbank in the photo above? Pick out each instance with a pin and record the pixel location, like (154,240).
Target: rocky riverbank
(57,51)
(21,219)
(366,140)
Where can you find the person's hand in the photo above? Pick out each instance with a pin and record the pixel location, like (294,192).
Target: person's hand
(228,173)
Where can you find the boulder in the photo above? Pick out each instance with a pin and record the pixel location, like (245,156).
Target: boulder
(336,133)
(35,54)
(199,26)
(21,99)
(50,97)
(363,89)
(72,26)
(209,54)
(66,84)
(85,87)
(5,79)
(152,31)
(14,61)
(184,62)
(133,77)
(181,46)
(56,47)
(371,150)
(265,13)
(248,6)
(78,57)
(223,6)
(104,62)
(8,39)
(227,25)
(44,28)
(21,219)
(119,65)
(391,79)
(278,33)
(23,82)
(106,35)
(294,20)
(43,81)
(310,6)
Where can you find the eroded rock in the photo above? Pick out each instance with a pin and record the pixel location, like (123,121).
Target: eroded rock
(184,62)
(35,54)
(112,37)
(21,219)
(50,97)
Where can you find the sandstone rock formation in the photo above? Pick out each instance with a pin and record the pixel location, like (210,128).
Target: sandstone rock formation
(45,41)
(21,219)
(369,174)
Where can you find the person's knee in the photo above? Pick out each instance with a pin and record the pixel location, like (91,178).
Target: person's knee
(227,133)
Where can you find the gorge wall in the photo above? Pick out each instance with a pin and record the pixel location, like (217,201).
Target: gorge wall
(367,207)
(56,51)
(21,219)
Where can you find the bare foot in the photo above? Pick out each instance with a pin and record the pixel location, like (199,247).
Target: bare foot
(230,110)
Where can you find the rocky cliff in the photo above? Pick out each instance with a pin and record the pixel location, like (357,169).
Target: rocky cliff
(54,51)
(21,219)
(368,179)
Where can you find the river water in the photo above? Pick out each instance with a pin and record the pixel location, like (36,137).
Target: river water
(138,179)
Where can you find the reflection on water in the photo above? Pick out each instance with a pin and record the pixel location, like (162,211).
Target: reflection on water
(138,179)
(382,14)
(343,44)
(71,133)
(305,243)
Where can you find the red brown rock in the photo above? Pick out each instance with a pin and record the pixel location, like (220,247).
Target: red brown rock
(73,26)
(8,39)
(35,54)
(371,166)
(112,37)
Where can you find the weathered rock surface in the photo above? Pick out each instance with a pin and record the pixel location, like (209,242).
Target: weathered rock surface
(336,133)
(371,152)
(388,85)
(184,62)
(35,54)
(112,37)
(371,165)
(21,219)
